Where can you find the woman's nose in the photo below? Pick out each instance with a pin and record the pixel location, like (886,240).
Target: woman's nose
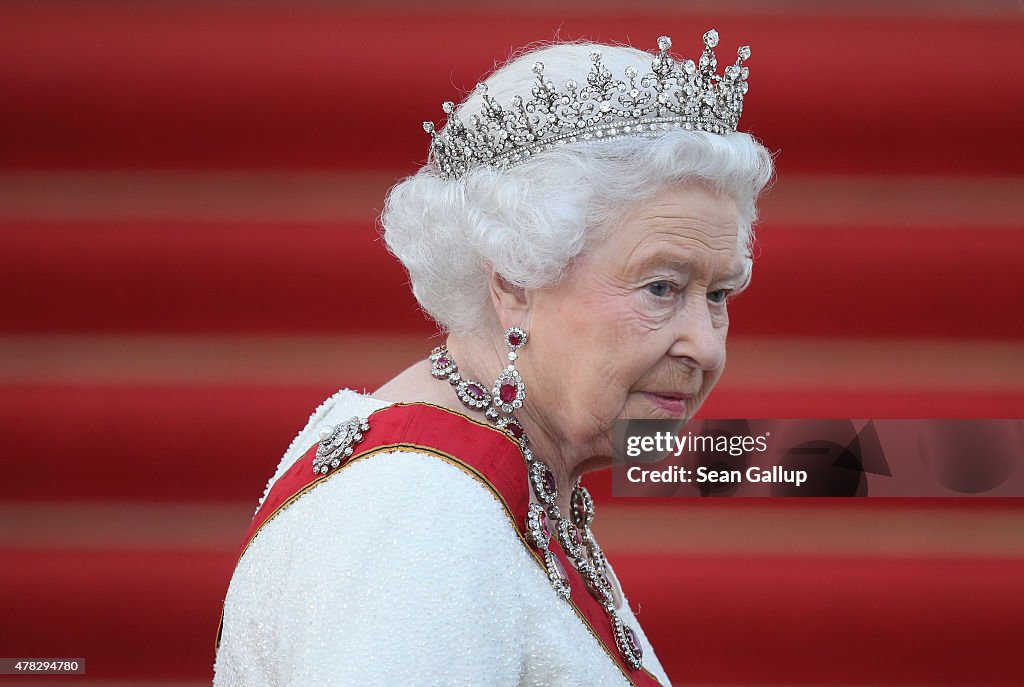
(699,342)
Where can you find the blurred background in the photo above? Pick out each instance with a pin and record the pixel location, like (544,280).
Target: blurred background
(190,263)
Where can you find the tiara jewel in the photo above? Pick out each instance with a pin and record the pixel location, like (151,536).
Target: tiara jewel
(673,94)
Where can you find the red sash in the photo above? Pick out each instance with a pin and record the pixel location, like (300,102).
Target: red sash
(486,453)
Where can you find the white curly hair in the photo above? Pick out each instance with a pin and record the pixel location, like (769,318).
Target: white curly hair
(529,222)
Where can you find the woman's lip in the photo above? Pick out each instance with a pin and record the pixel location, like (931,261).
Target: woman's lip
(673,404)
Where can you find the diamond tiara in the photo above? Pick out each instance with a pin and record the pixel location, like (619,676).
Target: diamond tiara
(687,95)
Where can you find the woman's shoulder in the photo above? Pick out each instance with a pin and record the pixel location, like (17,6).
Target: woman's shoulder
(407,493)
(400,557)
(339,406)
(411,492)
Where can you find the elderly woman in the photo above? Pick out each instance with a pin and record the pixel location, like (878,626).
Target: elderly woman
(583,221)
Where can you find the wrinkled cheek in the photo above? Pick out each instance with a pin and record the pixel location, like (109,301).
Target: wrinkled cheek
(607,342)
(635,324)
(616,363)
(635,407)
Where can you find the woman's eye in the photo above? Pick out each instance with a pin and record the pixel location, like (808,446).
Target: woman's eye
(718,296)
(659,289)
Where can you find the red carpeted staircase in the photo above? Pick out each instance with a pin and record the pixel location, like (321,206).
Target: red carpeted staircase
(189,263)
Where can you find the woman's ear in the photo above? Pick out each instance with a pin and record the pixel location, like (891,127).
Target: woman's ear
(511,302)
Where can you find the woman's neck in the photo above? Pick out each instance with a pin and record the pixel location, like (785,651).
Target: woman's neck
(482,360)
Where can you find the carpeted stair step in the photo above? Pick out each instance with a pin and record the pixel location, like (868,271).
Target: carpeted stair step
(169,277)
(213,443)
(279,86)
(716,620)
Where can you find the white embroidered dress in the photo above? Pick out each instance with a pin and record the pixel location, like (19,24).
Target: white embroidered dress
(403,570)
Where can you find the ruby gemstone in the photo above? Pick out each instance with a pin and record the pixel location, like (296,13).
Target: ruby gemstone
(574,535)
(507,392)
(515,429)
(443,361)
(560,567)
(581,511)
(515,339)
(549,482)
(475,391)
(543,520)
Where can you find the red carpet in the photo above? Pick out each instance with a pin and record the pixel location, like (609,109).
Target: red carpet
(189,86)
(785,620)
(157,277)
(163,338)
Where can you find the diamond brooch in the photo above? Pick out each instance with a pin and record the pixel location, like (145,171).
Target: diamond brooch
(337,443)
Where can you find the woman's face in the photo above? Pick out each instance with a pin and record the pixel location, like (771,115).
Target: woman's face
(638,328)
